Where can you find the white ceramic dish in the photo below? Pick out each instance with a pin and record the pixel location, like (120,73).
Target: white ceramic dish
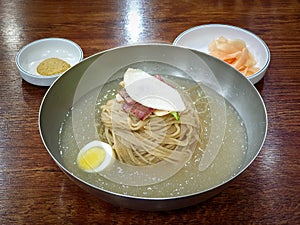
(201,36)
(34,53)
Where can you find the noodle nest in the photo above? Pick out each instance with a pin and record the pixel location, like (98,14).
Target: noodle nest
(150,141)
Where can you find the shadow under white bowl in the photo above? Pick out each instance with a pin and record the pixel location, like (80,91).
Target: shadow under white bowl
(31,55)
(200,37)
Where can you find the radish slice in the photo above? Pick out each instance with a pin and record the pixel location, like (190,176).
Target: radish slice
(151,92)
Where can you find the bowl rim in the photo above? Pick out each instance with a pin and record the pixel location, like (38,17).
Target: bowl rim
(217,25)
(40,41)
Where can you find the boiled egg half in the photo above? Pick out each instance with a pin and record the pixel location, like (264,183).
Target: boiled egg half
(95,157)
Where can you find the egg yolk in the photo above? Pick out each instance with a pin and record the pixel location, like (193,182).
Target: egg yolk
(91,159)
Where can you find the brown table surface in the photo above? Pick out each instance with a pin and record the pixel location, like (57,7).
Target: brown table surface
(33,190)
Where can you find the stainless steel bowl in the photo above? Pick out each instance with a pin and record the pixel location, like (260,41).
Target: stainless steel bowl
(233,86)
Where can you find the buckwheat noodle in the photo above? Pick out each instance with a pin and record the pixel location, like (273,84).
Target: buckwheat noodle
(157,138)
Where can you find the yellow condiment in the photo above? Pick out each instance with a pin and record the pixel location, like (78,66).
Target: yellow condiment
(52,66)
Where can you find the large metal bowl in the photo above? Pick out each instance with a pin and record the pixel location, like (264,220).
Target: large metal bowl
(233,86)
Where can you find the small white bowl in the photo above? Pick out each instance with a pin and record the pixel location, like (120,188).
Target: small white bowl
(200,37)
(31,55)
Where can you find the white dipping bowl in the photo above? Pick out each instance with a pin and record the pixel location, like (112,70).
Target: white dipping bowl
(31,55)
(200,37)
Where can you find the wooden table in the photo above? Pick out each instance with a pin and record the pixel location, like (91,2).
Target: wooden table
(32,188)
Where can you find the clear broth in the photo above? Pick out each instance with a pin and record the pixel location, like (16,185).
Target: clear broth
(189,179)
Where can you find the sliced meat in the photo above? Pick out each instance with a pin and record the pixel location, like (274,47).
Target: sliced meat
(159,77)
(162,80)
(126,96)
(131,106)
(140,111)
